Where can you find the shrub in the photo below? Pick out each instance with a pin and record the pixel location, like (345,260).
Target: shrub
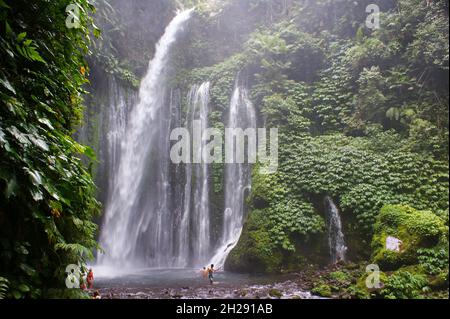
(404,285)
(433,261)
(340,276)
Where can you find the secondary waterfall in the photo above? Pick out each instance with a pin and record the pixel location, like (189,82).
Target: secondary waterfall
(137,214)
(237,177)
(336,240)
(117,119)
(104,127)
(195,221)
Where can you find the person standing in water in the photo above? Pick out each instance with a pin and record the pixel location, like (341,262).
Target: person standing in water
(211,272)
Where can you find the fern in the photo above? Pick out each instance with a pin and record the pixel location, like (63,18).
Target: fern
(76,249)
(3,287)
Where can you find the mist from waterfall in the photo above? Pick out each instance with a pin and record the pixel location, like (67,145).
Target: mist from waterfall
(237,176)
(336,240)
(137,213)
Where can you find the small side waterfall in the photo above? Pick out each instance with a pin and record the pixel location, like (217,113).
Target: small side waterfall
(336,241)
(136,227)
(237,177)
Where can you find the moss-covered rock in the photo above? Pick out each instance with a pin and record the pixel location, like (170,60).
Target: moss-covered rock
(356,292)
(322,290)
(254,252)
(420,267)
(416,229)
(275,293)
(363,289)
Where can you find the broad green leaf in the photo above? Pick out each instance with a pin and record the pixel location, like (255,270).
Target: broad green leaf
(21,36)
(16,294)
(24,288)
(7,85)
(11,188)
(36,177)
(37,195)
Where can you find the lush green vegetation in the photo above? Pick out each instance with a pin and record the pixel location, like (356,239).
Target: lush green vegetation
(47,197)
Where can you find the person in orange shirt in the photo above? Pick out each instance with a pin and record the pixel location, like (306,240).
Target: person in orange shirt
(204,272)
(90,279)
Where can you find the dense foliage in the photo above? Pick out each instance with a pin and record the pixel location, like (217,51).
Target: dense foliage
(47,197)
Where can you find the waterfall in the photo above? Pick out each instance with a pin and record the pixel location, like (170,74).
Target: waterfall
(103,129)
(201,229)
(117,119)
(195,221)
(237,177)
(138,224)
(336,240)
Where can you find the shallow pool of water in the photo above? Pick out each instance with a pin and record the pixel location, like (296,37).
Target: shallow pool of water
(175,278)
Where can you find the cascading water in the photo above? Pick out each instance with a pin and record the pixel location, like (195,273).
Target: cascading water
(105,131)
(336,240)
(137,227)
(195,220)
(143,227)
(117,119)
(201,229)
(237,177)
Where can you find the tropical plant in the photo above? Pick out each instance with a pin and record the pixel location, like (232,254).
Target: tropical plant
(47,196)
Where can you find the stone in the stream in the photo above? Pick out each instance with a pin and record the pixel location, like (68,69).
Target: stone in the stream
(275,293)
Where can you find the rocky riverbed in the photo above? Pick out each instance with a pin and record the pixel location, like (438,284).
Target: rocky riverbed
(284,290)
(312,283)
